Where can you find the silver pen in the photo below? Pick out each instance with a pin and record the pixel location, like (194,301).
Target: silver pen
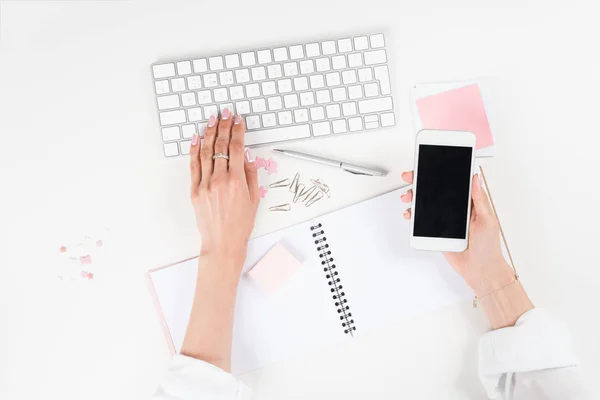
(352,168)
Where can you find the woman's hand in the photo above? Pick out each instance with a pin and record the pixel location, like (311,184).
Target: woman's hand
(224,193)
(482,265)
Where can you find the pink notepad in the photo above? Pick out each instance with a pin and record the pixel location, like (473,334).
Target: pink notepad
(458,109)
(275,268)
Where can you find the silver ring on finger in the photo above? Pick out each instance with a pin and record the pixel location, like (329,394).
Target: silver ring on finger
(221,155)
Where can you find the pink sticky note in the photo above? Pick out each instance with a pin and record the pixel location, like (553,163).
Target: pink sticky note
(275,268)
(459,109)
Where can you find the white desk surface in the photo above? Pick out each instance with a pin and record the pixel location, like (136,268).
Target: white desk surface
(80,148)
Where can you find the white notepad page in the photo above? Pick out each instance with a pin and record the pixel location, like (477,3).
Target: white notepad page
(383,279)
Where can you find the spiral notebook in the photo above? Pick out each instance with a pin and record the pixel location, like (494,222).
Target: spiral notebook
(358,273)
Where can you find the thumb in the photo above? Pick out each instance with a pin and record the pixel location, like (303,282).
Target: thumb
(481,202)
(251,176)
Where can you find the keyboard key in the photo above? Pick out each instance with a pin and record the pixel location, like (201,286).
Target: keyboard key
(178,84)
(375,105)
(163,70)
(242,75)
(274,71)
(345,45)
(307,67)
(371,89)
(339,94)
(323,96)
(172,117)
(317,113)
(382,74)
(371,121)
(200,65)
(301,115)
(252,122)
(284,85)
(259,73)
(259,105)
(290,69)
(338,62)
(243,107)
(328,47)
(264,56)
(285,117)
(204,97)
(321,128)
(210,80)
(339,126)
(375,57)
(252,90)
(322,64)
(188,99)
(377,41)
(171,133)
(312,50)
(355,92)
(349,77)
(388,119)
(232,61)
(194,82)
(269,120)
(317,81)
(296,52)
(349,109)
(185,146)
(268,88)
(226,78)
(355,60)
(278,134)
(188,130)
(333,79)
(280,54)
(168,102)
(211,110)
(307,98)
(236,92)
(171,149)
(226,105)
(290,100)
(184,68)
(333,111)
(355,124)
(162,87)
(201,129)
(215,63)
(275,103)
(361,43)
(220,94)
(365,75)
(248,59)
(301,83)
(194,114)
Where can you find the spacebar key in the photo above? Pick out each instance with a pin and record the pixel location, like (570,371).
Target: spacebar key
(277,134)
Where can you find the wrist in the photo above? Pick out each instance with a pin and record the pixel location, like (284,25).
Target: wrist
(494,277)
(504,307)
(226,262)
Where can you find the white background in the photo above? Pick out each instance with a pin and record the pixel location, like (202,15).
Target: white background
(80,149)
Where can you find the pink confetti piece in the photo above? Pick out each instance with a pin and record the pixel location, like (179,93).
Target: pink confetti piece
(262,191)
(62,249)
(99,243)
(271,166)
(85,260)
(260,162)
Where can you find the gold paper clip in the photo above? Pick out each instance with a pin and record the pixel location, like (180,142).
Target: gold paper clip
(316,197)
(281,207)
(307,192)
(322,186)
(299,191)
(282,183)
(295,182)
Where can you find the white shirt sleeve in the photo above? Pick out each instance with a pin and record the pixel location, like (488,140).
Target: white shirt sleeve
(533,360)
(188,379)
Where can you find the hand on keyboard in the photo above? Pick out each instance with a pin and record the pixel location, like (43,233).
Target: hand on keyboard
(224,193)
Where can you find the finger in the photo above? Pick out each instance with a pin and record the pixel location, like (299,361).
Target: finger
(195,166)
(251,176)
(236,146)
(407,197)
(406,215)
(208,149)
(481,201)
(408,176)
(222,142)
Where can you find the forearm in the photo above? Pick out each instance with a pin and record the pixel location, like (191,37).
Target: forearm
(504,306)
(209,333)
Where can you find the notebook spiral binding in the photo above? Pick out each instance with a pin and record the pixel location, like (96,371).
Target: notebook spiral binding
(333,280)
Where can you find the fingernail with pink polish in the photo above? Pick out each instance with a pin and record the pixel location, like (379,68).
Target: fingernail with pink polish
(194,139)
(248,155)
(225,114)
(237,119)
(211,121)
(480,180)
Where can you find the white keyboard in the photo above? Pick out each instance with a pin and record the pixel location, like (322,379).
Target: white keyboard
(285,93)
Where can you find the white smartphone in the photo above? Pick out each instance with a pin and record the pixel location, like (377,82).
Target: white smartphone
(441,208)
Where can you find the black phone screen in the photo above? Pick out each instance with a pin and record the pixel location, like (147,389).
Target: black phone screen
(442,195)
